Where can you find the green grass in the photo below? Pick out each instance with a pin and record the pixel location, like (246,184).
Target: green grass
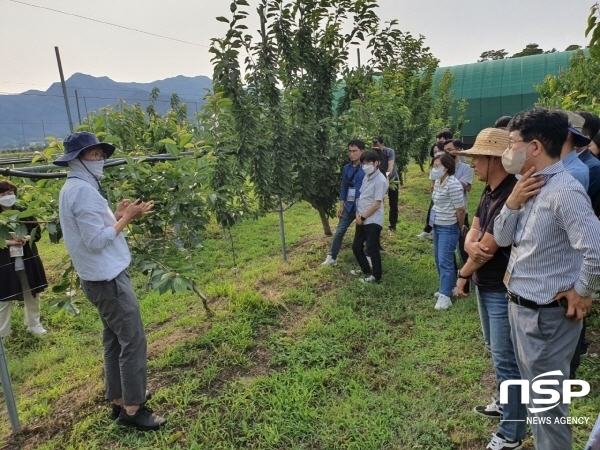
(297,356)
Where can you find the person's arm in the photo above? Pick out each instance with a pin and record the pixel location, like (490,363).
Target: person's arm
(474,248)
(457,200)
(472,265)
(575,215)
(89,210)
(391,161)
(374,207)
(505,224)
(344,187)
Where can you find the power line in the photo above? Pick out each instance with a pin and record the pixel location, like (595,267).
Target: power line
(111,24)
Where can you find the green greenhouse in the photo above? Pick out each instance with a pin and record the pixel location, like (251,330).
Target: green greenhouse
(502,87)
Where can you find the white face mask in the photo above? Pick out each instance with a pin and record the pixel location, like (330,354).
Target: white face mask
(437,173)
(513,161)
(368,168)
(8,200)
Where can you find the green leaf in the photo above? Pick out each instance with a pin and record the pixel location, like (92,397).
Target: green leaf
(185,139)
(222,19)
(179,285)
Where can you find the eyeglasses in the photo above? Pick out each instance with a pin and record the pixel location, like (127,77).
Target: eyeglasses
(98,155)
(511,143)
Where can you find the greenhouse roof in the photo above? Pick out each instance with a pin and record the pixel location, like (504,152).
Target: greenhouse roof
(501,87)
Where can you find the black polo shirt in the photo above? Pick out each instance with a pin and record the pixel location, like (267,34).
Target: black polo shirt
(489,277)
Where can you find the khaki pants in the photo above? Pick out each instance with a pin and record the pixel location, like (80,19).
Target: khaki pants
(32,307)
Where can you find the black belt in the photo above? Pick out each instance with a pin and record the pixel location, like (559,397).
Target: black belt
(533,305)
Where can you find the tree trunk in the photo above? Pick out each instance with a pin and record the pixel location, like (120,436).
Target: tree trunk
(325,222)
(421,166)
(323,216)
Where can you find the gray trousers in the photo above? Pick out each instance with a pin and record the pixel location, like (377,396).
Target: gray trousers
(544,341)
(123,337)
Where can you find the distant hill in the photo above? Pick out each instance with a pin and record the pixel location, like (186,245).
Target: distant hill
(30,116)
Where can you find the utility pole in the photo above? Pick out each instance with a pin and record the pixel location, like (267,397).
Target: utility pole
(9,397)
(44,130)
(78,111)
(358,54)
(64,88)
(87,115)
(23,129)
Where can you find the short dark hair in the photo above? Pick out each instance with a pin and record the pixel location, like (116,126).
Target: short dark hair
(448,162)
(456,142)
(550,127)
(591,127)
(378,139)
(6,186)
(446,133)
(370,156)
(440,146)
(502,122)
(357,143)
(596,139)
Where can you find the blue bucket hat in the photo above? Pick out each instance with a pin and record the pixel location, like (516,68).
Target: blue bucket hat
(78,142)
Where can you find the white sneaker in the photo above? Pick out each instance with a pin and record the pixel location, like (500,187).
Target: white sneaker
(329,261)
(356,272)
(454,293)
(443,302)
(369,279)
(38,330)
(425,235)
(500,443)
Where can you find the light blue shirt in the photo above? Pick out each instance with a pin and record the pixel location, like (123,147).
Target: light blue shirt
(464,174)
(98,253)
(577,169)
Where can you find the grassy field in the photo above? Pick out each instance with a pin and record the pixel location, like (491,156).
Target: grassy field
(297,356)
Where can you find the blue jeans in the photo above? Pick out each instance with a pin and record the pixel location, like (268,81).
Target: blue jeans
(445,238)
(345,221)
(493,312)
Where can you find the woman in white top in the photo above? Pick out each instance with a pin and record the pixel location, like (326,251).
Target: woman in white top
(448,214)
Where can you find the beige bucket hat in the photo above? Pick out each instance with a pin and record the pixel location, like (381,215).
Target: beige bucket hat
(489,142)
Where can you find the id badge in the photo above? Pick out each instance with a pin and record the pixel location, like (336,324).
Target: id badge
(351,195)
(15,251)
(510,267)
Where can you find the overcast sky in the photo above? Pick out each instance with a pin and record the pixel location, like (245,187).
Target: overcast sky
(457,31)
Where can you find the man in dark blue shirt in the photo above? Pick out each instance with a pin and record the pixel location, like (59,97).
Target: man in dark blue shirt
(590,128)
(352,177)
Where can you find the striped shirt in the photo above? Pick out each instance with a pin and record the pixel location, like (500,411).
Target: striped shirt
(447,198)
(556,240)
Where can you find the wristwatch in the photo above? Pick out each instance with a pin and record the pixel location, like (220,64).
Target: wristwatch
(464,278)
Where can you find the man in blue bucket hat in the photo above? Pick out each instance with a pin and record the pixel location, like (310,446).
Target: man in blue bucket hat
(93,236)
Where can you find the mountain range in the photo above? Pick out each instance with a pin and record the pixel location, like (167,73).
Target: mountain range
(28,117)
